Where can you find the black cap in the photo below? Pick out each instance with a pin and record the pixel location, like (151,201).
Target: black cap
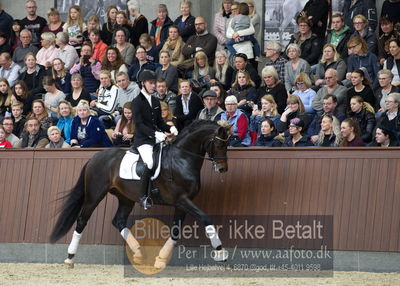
(147,75)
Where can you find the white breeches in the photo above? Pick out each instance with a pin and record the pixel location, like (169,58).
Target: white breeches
(146,152)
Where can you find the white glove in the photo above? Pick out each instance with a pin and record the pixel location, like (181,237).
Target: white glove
(173,131)
(160,137)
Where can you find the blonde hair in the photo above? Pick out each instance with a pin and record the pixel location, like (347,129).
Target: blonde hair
(335,130)
(71,109)
(274,106)
(51,129)
(336,57)
(196,68)
(48,36)
(7,101)
(170,113)
(70,22)
(303,77)
(296,99)
(248,78)
(365,105)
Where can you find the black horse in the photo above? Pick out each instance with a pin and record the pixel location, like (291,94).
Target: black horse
(178,182)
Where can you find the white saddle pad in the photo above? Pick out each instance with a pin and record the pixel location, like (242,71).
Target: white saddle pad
(127,169)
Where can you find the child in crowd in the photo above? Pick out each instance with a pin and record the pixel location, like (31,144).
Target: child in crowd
(125,129)
(75,27)
(242,22)
(19,120)
(3,142)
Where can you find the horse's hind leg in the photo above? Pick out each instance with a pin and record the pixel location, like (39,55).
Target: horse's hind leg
(120,219)
(186,204)
(166,250)
(81,222)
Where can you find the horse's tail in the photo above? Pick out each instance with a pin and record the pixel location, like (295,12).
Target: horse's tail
(71,208)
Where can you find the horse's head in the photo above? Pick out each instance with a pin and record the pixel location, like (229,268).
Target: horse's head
(217,148)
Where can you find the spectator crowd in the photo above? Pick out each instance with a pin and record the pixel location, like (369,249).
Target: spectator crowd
(67,83)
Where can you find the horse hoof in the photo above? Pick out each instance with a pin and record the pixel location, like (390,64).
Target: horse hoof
(221,255)
(160,263)
(69,263)
(138,259)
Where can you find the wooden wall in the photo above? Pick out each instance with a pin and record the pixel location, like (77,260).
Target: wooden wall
(359,187)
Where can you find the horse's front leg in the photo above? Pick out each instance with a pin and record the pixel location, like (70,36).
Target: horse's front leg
(166,250)
(186,204)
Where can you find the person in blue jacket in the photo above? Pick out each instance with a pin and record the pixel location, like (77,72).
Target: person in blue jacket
(87,130)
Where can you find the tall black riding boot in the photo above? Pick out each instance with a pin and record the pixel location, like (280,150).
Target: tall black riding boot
(145,200)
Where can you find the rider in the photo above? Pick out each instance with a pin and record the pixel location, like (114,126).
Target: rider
(147,114)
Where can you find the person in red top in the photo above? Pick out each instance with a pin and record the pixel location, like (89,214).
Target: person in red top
(99,47)
(3,142)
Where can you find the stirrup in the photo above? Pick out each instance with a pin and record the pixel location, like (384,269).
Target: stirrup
(146,202)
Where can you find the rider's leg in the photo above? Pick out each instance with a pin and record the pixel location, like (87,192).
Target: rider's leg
(146,152)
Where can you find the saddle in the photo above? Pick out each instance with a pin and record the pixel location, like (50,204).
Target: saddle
(132,165)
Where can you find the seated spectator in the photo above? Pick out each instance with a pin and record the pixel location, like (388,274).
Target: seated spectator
(127,90)
(56,140)
(384,138)
(108,27)
(34,137)
(239,23)
(362,30)
(39,112)
(188,105)
(168,117)
(146,41)
(126,49)
(93,23)
(363,7)
(304,91)
(359,56)
(21,94)
(202,73)
(89,69)
(121,20)
(32,74)
(295,108)
(26,48)
(389,118)
(329,136)
(8,124)
(139,22)
(310,44)
(9,69)
(15,40)
(98,46)
(296,138)
(385,77)
(221,94)
(360,88)
(294,66)
(113,62)
(167,71)
(66,53)
(65,116)
(123,134)
(268,111)
(78,92)
(268,136)
(174,45)
(185,22)
(159,26)
(330,103)
(52,96)
(223,71)
(48,52)
(4,143)
(164,94)
(211,111)
(241,63)
(139,65)
(392,63)
(273,51)
(339,34)
(4,44)
(388,32)
(365,116)
(350,131)
(244,90)
(331,87)
(106,102)
(55,24)
(5,98)
(87,130)
(19,119)
(391,10)
(61,75)
(330,59)
(241,134)
(75,26)
(272,85)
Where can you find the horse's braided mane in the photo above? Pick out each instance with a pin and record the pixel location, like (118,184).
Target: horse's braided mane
(195,126)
